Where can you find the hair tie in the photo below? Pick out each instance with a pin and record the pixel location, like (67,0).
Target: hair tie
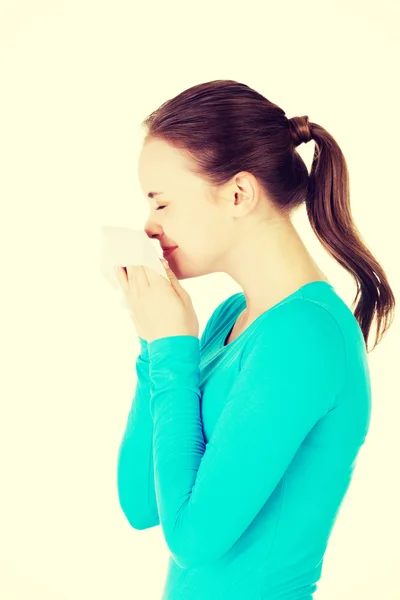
(300,130)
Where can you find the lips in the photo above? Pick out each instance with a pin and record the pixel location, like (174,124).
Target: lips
(167,251)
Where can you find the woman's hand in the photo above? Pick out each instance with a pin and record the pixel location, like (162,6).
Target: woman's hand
(158,308)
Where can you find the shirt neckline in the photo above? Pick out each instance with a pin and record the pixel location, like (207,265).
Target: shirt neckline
(232,321)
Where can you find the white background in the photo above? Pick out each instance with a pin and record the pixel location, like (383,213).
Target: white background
(76,80)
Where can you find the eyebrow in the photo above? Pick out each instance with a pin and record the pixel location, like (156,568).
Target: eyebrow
(152,194)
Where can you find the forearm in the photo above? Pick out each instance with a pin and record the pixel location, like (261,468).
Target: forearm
(135,457)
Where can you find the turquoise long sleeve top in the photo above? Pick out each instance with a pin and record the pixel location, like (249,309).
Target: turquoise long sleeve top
(244,452)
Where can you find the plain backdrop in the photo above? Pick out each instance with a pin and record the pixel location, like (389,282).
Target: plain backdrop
(76,80)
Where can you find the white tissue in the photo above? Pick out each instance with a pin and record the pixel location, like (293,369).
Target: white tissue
(123,246)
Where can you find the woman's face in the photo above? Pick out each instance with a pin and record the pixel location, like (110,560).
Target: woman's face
(183,214)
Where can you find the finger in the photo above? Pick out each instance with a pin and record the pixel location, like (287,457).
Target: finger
(168,270)
(121,276)
(174,281)
(137,278)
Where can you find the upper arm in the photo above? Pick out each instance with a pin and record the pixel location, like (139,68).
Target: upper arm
(292,370)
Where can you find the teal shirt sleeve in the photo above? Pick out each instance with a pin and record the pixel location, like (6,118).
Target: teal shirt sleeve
(135,478)
(135,471)
(291,372)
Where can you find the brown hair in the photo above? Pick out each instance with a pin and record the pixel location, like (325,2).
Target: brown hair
(225,127)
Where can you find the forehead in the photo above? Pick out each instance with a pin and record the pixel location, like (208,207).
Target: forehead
(158,160)
(163,168)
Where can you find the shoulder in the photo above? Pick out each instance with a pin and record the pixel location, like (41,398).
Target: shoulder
(300,336)
(301,319)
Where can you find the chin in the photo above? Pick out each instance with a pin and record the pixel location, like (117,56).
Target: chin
(179,275)
(189,271)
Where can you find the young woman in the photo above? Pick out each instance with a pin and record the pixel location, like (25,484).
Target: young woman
(242,444)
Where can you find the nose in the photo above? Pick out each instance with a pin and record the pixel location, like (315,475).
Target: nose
(149,231)
(157,236)
(154,231)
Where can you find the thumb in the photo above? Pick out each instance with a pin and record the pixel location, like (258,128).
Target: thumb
(173,278)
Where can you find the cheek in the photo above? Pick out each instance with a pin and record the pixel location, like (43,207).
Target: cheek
(212,230)
(197,233)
